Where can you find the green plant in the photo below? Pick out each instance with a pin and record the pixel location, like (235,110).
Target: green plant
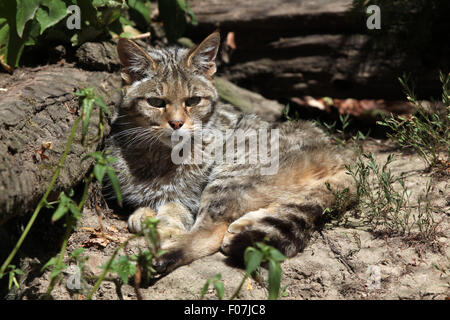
(42,203)
(254,257)
(12,272)
(67,207)
(383,198)
(385,202)
(343,199)
(427,131)
(88,99)
(424,220)
(286,112)
(135,265)
(33,22)
(40,22)
(217,284)
(338,131)
(173,14)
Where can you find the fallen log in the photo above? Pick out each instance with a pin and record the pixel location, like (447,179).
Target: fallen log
(284,49)
(37,111)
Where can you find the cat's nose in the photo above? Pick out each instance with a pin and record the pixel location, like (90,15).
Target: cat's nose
(176,124)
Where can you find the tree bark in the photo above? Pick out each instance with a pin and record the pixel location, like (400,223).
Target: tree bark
(292,48)
(37,111)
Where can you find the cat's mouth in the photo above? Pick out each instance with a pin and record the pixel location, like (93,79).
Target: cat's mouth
(172,138)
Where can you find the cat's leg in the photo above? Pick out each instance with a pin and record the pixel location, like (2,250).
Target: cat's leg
(285,209)
(174,220)
(288,222)
(286,227)
(222,201)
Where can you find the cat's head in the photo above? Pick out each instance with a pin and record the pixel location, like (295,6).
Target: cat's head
(168,89)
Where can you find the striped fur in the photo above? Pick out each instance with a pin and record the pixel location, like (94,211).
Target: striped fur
(214,205)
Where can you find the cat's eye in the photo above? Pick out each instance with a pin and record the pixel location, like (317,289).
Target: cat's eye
(156,102)
(193,101)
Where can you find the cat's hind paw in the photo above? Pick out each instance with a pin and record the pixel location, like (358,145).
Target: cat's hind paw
(241,232)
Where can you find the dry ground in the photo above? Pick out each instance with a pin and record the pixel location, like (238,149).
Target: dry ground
(341,262)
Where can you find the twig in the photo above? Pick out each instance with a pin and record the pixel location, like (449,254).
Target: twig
(98,210)
(142,36)
(338,254)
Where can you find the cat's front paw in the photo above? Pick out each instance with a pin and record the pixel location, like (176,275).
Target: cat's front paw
(135,220)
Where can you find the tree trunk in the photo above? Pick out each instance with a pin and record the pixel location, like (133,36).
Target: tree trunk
(37,111)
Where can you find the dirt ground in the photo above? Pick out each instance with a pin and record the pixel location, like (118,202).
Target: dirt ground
(341,262)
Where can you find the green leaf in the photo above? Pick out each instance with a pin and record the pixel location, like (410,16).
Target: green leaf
(4,41)
(274,279)
(115,184)
(97,155)
(205,288)
(26,9)
(56,11)
(124,268)
(220,289)
(11,45)
(101,103)
(12,279)
(76,253)
(109,15)
(57,270)
(18,271)
(107,3)
(252,258)
(140,12)
(184,5)
(86,109)
(85,93)
(276,255)
(63,207)
(12,276)
(50,262)
(75,211)
(99,172)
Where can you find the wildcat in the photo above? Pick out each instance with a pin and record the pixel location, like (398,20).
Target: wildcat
(213,205)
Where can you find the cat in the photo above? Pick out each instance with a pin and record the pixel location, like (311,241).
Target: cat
(214,204)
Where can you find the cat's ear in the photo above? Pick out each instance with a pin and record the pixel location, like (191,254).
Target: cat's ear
(202,57)
(137,64)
